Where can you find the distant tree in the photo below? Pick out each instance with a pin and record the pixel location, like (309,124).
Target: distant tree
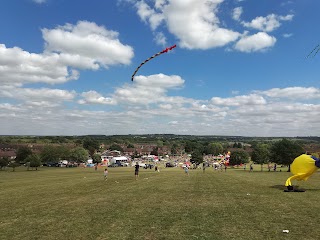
(54,153)
(48,154)
(116,147)
(91,145)
(190,146)
(33,161)
(174,148)
(197,156)
(96,158)
(78,142)
(238,157)
(237,145)
(214,148)
(285,151)
(4,162)
(159,143)
(79,154)
(261,154)
(22,153)
(13,164)
(154,151)
(130,145)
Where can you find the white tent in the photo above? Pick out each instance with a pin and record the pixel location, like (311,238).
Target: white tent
(119,159)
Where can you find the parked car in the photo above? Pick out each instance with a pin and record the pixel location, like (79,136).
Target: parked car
(148,166)
(168,164)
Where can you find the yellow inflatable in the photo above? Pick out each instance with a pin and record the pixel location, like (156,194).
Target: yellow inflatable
(302,168)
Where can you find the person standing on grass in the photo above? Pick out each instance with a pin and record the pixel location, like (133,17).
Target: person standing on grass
(203,167)
(136,170)
(186,169)
(251,167)
(105,174)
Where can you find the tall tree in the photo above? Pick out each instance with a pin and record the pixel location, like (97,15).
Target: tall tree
(214,148)
(197,156)
(285,151)
(33,161)
(116,147)
(79,154)
(261,154)
(4,162)
(238,157)
(91,145)
(22,153)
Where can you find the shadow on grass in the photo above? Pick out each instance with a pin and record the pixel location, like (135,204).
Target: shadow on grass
(281,187)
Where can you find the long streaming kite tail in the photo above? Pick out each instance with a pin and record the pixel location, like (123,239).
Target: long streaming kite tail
(155,55)
(317,47)
(317,51)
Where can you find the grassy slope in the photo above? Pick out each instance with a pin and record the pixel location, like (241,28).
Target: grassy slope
(56,203)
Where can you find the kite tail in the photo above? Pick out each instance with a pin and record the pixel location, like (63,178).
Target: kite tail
(155,55)
(317,47)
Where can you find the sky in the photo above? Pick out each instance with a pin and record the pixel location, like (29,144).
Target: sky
(240,67)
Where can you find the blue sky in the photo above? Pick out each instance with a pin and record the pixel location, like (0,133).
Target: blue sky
(240,67)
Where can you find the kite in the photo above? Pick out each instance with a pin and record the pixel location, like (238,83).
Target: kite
(302,168)
(155,55)
(315,51)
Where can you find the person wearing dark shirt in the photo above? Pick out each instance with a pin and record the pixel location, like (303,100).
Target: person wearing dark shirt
(136,170)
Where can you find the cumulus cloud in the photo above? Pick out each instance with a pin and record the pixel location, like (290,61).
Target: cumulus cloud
(41,94)
(68,48)
(261,113)
(293,93)
(252,99)
(196,25)
(193,22)
(144,90)
(19,66)
(87,45)
(268,23)
(160,38)
(237,13)
(149,15)
(92,97)
(256,42)
(148,89)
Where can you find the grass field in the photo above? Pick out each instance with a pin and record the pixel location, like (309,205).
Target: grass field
(76,203)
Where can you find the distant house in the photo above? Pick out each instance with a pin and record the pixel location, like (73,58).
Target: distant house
(8,154)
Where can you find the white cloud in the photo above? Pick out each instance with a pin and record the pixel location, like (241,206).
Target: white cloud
(193,22)
(39,1)
(237,12)
(87,45)
(257,42)
(252,99)
(36,95)
(160,39)
(296,93)
(287,35)
(148,89)
(149,15)
(92,97)
(268,23)
(18,66)
(262,113)
(84,46)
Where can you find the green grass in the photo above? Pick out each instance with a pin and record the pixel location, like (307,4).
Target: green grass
(76,203)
